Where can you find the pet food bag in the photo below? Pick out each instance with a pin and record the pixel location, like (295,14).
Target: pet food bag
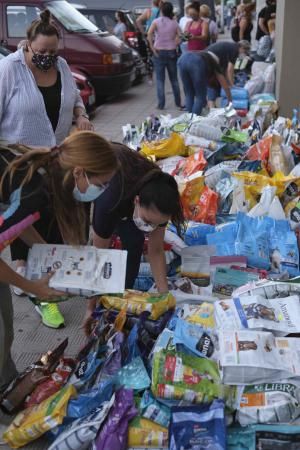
(84,271)
(250,357)
(144,433)
(277,402)
(136,302)
(179,376)
(190,165)
(33,422)
(164,148)
(198,427)
(281,315)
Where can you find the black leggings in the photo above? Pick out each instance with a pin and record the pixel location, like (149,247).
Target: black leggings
(133,241)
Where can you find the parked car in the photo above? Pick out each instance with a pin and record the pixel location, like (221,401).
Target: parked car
(105,60)
(104,19)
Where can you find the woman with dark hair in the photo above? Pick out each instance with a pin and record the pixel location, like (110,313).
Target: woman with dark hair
(198,72)
(167,37)
(120,28)
(39,101)
(140,200)
(197,30)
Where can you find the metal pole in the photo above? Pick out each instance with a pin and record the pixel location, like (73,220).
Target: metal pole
(222,16)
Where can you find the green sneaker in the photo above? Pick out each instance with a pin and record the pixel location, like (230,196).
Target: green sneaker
(51,315)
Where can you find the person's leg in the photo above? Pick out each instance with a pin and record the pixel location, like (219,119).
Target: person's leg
(172,72)
(198,73)
(133,241)
(212,94)
(187,81)
(8,369)
(160,66)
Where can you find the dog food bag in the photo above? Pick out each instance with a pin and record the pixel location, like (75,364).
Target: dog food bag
(84,271)
(276,402)
(198,427)
(144,433)
(80,433)
(281,315)
(137,302)
(154,411)
(33,422)
(179,376)
(250,357)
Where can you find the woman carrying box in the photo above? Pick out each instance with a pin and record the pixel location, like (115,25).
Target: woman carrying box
(50,184)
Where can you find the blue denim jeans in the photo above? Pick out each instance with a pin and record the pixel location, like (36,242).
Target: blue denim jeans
(193,74)
(166,59)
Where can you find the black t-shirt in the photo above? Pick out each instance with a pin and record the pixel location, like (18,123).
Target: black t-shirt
(266,14)
(117,202)
(34,195)
(52,100)
(227,52)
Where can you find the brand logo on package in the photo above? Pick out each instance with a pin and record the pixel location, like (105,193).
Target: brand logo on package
(107,270)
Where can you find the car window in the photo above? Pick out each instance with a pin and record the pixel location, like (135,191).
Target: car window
(70,18)
(19,18)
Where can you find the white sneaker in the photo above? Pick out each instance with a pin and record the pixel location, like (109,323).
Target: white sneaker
(21,271)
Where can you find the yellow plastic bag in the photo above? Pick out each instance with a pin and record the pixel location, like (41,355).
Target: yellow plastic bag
(164,148)
(145,433)
(33,422)
(137,302)
(254,184)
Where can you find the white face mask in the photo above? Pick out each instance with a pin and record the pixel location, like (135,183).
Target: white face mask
(140,223)
(90,194)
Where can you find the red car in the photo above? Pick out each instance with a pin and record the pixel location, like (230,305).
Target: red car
(86,89)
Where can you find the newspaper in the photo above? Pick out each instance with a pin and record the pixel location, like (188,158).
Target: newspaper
(277,402)
(280,315)
(84,271)
(250,357)
(268,289)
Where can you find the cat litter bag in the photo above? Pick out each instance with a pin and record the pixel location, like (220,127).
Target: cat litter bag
(80,434)
(196,339)
(134,375)
(198,427)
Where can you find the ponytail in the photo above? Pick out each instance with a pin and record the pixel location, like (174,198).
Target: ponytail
(86,150)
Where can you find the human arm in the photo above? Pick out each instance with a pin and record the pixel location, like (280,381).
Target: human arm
(150,37)
(262,26)
(178,36)
(230,74)
(30,236)
(38,288)
(142,19)
(224,84)
(81,119)
(157,259)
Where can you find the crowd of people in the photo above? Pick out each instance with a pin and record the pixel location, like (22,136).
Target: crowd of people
(46,170)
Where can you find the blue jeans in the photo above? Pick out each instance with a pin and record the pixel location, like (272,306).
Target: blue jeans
(193,74)
(166,59)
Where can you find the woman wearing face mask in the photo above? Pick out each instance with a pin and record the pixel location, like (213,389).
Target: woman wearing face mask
(50,183)
(139,202)
(40,98)
(36,83)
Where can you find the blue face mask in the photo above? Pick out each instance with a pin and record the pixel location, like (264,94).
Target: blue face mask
(90,194)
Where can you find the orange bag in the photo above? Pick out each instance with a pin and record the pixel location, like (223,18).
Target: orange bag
(260,151)
(190,165)
(200,205)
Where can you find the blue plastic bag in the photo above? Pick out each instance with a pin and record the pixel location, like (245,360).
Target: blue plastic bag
(153,410)
(133,376)
(131,349)
(196,233)
(284,248)
(198,427)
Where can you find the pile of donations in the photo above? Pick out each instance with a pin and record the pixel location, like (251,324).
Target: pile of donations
(215,363)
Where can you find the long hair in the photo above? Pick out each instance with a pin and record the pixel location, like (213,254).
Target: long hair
(44,25)
(86,150)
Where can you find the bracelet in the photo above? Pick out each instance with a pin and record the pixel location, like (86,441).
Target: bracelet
(83,115)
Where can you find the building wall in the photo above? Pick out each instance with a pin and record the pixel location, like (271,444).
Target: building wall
(288,55)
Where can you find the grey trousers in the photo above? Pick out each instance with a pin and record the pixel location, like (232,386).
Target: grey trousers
(7,367)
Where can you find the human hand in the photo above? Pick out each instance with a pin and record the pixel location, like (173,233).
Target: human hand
(83,124)
(43,291)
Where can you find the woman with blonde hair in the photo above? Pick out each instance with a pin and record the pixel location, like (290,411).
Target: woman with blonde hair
(196,30)
(205,14)
(46,187)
